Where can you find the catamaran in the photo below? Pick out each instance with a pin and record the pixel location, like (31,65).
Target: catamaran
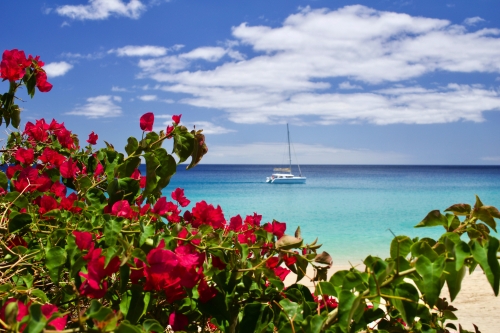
(280,177)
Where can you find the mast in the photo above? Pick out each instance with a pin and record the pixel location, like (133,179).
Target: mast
(289,153)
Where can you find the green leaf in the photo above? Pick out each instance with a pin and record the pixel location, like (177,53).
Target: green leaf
(459,209)
(493,211)
(199,149)
(152,325)
(408,307)
(152,164)
(256,317)
(454,278)
(184,142)
(19,200)
(400,246)
(325,288)
(433,219)
(19,221)
(40,294)
(487,258)
(37,320)
(112,229)
(431,272)
(132,145)
(287,242)
(16,115)
(127,168)
(292,310)
(166,169)
(348,303)
(55,259)
(132,304)
(123,189)
(125,327)
(4,182)
(483,214)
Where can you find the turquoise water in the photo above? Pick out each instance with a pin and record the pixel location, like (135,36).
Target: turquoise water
(350,208)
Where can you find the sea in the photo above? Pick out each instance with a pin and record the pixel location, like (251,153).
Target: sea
(353,210)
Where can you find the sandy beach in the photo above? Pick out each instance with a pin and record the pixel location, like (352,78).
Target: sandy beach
(476,302)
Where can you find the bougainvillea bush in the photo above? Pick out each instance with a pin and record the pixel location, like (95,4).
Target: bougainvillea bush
(90,244)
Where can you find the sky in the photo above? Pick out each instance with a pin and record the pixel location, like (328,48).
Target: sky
(358,82)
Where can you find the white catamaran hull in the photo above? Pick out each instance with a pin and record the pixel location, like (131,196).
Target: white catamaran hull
(294,180)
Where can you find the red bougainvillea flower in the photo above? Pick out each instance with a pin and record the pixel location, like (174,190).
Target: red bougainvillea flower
(235,223)
(47,203)
(281,272)
(94,285)
(69,169)
(169,131)
(253,220)
(273,262)
(289,259)
(83,240)
(13,65)
(160,207)
(122,209)
(178,195)
(58,189)
(22,310)
(51,157)
(329,301)
(276,228)
(147,121)
(16,241)
(69,203)
(189,265)
(218,263)
(41,81)
(205,291)
(93,138)
(178,321)
(25,156)
(163,273)
(99,170)
(176,118)
(204,213)
(136,174)
(58,323)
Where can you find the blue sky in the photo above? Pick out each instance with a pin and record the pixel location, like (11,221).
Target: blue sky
(370,82)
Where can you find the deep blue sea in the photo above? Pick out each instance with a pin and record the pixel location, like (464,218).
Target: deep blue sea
(351,208)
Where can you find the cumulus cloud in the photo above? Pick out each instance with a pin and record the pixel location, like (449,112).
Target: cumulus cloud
(348,85)
(102,9)
(54,69)
(208,127)
(181,61)
(140,51)
(99,107)
(290,71)
(119,89)
(265,153)
(473,20)
(148,98)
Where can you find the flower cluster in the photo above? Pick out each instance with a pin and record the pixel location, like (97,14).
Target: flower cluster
(14,65)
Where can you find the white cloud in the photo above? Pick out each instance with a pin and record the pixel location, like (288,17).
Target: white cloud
(269,153)
(208,127)
(148,98)
(89,56)
(181,61)
(99,107)
(119,89)
(102,9)
(491,158)
(54,69)
(347,85)
(294,64)
(473,20)
(140,51)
